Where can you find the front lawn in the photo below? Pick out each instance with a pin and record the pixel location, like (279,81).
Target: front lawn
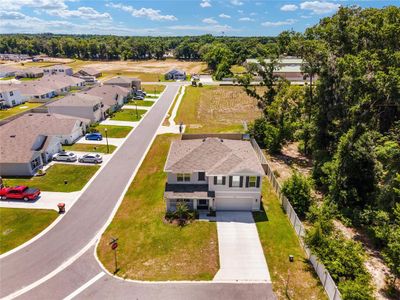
(75,175)
(150,249)
(114,131)
(7,78)
(128,115)
(279,241)
(28,78)
(5,113)
(153,88)
(89,148)
(216,109)
(18,225)
(141,102)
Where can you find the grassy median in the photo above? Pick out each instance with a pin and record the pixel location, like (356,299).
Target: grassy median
(150,249)
(75,175)
(18,225)
(290,280)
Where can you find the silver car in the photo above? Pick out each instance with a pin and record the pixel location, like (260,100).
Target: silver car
(91,158)
(65,156)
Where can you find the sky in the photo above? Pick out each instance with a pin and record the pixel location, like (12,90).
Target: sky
(169,17)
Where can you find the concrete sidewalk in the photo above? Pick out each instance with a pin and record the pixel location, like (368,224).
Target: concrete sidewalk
(240,252)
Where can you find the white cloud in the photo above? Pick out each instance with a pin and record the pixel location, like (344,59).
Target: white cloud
(11,15)
(205,3)
(224,16)
(236,2)
(253,14)
(279,23)
(246,19)
(149,13)
(82,12)
(210,21)
(240,11)
(289,7)
(42,4)
(319,7)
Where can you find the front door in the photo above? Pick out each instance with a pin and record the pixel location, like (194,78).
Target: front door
(202,204)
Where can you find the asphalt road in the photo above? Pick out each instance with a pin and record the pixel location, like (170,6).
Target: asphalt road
(89,214)
(85,220)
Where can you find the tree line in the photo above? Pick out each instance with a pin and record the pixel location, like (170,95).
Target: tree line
(347,119)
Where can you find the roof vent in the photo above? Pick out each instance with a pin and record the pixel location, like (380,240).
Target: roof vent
(221,140)
(48,115)
(204,140)
(30,115)
(12,136)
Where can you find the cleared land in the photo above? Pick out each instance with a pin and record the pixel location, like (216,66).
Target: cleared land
(213,109)
(114,131)
(148,248)
(128,115)
(153,88)
(75,175)
(17,109)
(20,225)
(90,148)
(279,241)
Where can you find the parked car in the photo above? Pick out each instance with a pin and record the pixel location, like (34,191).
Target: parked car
(91,158)
(140,93)
(94,136)
(19,192)
(65,156)
(138,98)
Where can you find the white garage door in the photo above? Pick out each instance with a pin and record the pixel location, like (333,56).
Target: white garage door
(234,204)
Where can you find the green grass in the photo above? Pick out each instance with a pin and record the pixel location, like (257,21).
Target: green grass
(150,249)
(7,78)
(114,131)
(89,148)
(77,176)
(237,69)
(17,109)
(40,64)
(20,225)
(153,88)
(216,109)
(144,76)
(27,79)
(128,115)
(141,102)
(279,240)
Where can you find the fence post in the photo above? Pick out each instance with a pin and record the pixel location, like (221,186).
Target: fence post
(326,277)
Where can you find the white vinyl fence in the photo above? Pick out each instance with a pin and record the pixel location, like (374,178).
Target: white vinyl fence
(323,274)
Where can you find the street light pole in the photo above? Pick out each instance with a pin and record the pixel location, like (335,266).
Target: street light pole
(108,148)
(137,116)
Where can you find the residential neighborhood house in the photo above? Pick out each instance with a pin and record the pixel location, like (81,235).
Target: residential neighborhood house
(213,173)
(31,140)
(9,96)
(130,83)
(112,95)
(80,105)
(58,70)
(175,74)
(88,72)
(33,72)
(36,91)
(7,71)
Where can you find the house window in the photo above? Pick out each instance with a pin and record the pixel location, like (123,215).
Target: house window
(252,181)
(219,180)
(181,177)
(35,163)
(13,103)
(11,93)
(202,176)
(235,181)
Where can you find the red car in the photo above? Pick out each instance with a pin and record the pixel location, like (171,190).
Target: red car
(19,192)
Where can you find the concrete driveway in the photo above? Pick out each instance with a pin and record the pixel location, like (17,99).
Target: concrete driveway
(240,252)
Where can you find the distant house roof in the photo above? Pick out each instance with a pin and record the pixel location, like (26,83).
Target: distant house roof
(77,99)
(121,79)
(214,156)
(8,69)
(63,80)
(90,71)
(57,67)
(19,135)
(34,88)
(109,93)
(7,88)
(32,70)
(287,64)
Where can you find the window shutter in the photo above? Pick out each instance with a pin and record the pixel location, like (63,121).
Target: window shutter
(223,180)
(230,181)
(241,181)
(258,181)
(215,180)
(247,181)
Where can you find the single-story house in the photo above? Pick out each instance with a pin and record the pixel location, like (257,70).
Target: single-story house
(14,57)
(175,74)
(58,70)
(32,139)
(287,67)
(63,83)
(35,91)
(126,82)
(80,105)
(88,71)
(10,96)
(111,95)
(33,72)
(7,71)
(213,173)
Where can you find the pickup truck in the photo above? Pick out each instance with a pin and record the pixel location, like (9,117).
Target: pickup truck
(19,192)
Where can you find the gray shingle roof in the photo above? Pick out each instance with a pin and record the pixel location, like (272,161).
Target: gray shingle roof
(78,99)
(214,156)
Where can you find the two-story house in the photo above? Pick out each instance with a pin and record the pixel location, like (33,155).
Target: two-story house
(213,173)
(10,96)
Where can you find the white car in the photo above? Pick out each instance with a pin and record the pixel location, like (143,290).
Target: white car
(91,158)
(65,156)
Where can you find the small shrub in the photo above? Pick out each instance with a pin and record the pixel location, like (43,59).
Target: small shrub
(298,190)
(277,174)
